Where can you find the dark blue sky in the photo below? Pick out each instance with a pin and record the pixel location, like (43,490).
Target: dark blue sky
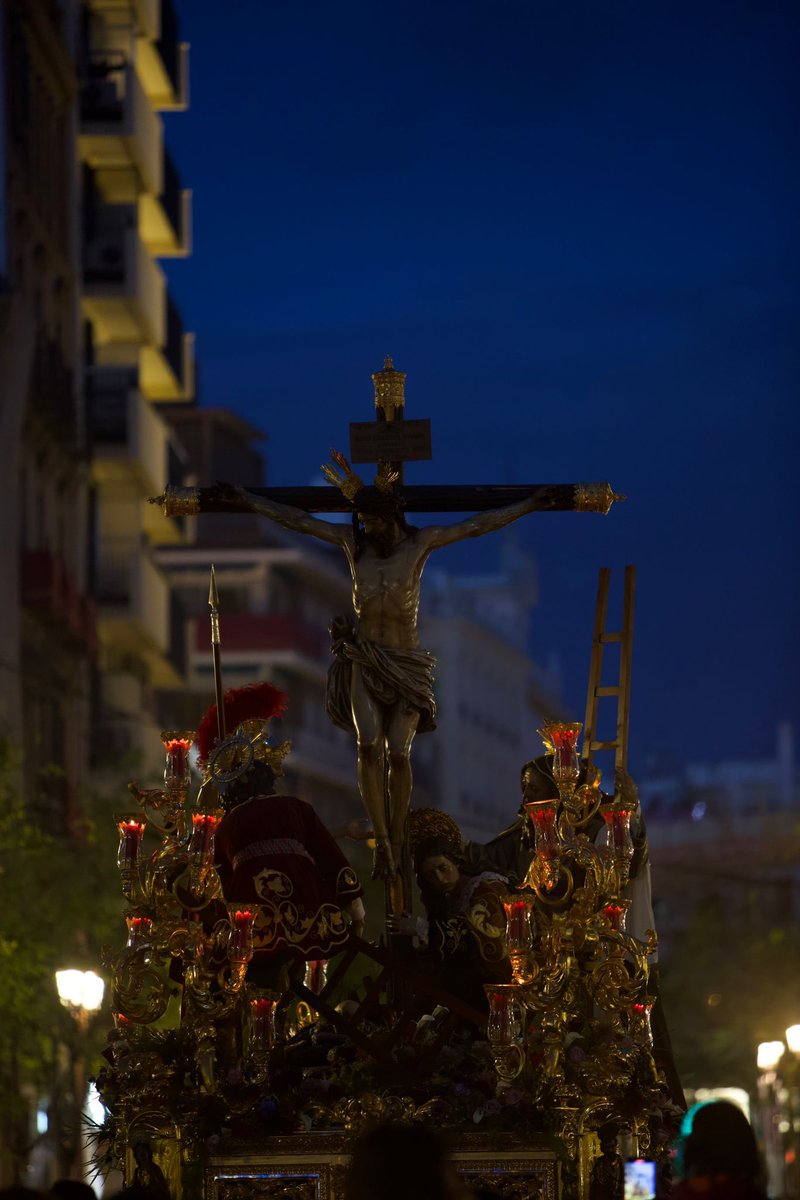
(575,227)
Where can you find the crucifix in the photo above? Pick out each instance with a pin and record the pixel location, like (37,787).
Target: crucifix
(380,684)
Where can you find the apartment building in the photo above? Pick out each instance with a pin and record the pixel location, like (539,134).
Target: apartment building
(132,66)
(47,631)
(90,345)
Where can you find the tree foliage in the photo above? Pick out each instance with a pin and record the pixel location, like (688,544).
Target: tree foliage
(59,901)
(729,983)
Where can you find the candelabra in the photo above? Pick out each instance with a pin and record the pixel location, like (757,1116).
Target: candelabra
(574,1022)
(179,931)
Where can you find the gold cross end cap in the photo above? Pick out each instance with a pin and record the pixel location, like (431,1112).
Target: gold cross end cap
(596,497)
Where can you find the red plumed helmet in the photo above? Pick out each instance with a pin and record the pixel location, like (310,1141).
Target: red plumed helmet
(253,702)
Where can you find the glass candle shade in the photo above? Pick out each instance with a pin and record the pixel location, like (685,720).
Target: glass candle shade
(639,1014)
(131,830)
(139,930)
(519,936)
(262,1025)
(201,843)
(563,738)
(543,817)
(316,975)
(616,914)
(177,771)
(504,1025)
(240,943)
(618,843)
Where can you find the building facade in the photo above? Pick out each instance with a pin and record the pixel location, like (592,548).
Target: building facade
(47,631)
(90,345)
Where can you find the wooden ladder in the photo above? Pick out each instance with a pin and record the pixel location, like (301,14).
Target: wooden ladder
(622,691)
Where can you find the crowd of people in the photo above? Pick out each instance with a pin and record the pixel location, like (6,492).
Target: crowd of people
(716,1158)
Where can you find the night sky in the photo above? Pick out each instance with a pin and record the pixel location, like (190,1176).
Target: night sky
(575,226)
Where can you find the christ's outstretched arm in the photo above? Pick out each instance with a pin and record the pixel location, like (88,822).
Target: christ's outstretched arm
(485,522)
(174,503)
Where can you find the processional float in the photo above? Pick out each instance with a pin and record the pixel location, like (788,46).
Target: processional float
(237,1090)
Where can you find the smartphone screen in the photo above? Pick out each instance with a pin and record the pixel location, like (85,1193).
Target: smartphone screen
(640,1180)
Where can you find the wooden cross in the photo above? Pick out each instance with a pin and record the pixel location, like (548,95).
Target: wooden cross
(393,439)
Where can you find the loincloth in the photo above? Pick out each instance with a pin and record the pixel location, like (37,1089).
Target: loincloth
(392,675)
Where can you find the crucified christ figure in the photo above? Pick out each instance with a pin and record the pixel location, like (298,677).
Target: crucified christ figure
(380,684)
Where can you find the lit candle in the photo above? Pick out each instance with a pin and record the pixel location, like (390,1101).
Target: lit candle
(618,830)
(131,830)
(566,766)
(261,1023)
(543,818)
(240,945)
(177,773)
(616,916)
(138,930)
(204,827)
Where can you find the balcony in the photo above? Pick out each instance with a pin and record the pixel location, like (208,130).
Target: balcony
(163,63)
(48,590)
(165,221)
(118,127)
(259,633)
(145,13)
(133,599)
(166,373)
(124,293)
(130,442)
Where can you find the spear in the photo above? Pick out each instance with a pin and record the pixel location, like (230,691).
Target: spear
(216,651)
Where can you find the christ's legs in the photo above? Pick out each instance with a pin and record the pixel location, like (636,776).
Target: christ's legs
(368,720)
(400,735)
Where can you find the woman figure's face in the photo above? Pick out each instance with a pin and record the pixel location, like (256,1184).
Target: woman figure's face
(440,872)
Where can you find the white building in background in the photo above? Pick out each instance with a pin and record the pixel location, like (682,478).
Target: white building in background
(739,787)
(491,696)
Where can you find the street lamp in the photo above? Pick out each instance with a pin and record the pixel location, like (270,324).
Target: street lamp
(768,1055)
(793,1038)
(81,992)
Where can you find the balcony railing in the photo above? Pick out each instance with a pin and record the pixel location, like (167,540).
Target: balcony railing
(118,126)
(168,45)
(134,600)
(164,63)
(167,371)
(124,293)
(165,221)
(125,429)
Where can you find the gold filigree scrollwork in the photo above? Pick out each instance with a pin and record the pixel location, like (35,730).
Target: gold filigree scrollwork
(139,991)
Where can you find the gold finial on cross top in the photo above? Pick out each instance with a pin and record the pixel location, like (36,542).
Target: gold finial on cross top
(389,389)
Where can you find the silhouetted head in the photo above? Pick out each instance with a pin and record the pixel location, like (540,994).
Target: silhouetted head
(72,1189)
(394,1162)
(719,1142)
